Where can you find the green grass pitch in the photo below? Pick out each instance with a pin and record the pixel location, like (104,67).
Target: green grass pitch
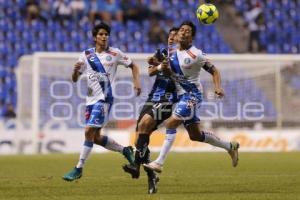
(185,176)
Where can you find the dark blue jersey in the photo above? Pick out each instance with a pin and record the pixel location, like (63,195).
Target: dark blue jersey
(164,89)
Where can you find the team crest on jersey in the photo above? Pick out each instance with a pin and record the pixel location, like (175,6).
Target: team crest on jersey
(187,61)
(108,58)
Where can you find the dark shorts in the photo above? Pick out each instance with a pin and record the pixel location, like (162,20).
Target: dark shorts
(159,111)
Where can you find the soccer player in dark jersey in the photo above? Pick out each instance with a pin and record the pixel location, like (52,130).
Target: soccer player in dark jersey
(157,108)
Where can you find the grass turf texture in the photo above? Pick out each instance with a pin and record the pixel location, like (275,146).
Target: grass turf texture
(185,176)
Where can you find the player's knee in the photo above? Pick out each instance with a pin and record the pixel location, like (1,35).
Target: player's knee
(193,137)
(172,123)
(145,125)
(90,133)
(97,137)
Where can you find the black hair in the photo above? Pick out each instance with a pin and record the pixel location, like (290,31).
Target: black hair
(173,29)
(190,24)
(102,25)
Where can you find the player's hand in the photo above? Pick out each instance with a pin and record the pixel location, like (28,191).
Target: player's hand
(164,64)
(219,92)
(77,66)
(152,61)
(138,90)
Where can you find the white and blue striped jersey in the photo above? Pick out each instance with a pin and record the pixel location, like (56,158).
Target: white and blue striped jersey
(99,79)
(187,65)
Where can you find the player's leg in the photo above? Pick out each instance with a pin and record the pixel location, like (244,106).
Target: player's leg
(196,134)
(106,141)
(112,145)
(181,111)
(171,124)
(76,172)
(153,179)
(160,112)
(146,122)
(95,119)
(166,113)
(145,126)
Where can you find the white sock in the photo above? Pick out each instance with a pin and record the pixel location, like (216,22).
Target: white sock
(215,141)
(169,140)
(111,144)
(87,148)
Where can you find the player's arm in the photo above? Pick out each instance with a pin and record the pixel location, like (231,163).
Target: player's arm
(155,61)
(136,78)
(216,76)
(76,71)
(160,67)
(152,70)
(153,66)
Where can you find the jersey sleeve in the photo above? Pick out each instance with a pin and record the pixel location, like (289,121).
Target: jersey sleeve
(82,58)
(201,58)
(123,59)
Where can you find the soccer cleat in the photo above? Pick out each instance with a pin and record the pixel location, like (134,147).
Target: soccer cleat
(233,152)
(128,154)
(132,169)
(152,184)
(152,181)
(154,166)
(74,174)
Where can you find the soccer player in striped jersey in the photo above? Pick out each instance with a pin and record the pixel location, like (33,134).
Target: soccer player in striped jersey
(157,108)
(185,65)
(100,65)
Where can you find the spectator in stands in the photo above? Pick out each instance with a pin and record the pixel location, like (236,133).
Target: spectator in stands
(32,10)
(93,7)
(62,10)
(1,109)
(255,21)
(156,34)
(136,11)
(110,9)
(9,113)
(156,9)
(78,7)
(45,10)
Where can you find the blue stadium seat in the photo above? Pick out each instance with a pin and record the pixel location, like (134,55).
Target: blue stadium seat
(132,26)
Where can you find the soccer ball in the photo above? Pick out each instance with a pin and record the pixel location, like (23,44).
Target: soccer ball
(207,13)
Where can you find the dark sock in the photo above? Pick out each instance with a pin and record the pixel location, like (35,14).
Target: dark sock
(142,148)
(202,136)
(150,173)
(147,156)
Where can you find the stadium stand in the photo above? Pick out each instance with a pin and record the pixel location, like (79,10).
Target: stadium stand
(280,33)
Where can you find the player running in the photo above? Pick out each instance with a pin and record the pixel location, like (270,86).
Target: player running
(185,66)
(100,64)
(157,108)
